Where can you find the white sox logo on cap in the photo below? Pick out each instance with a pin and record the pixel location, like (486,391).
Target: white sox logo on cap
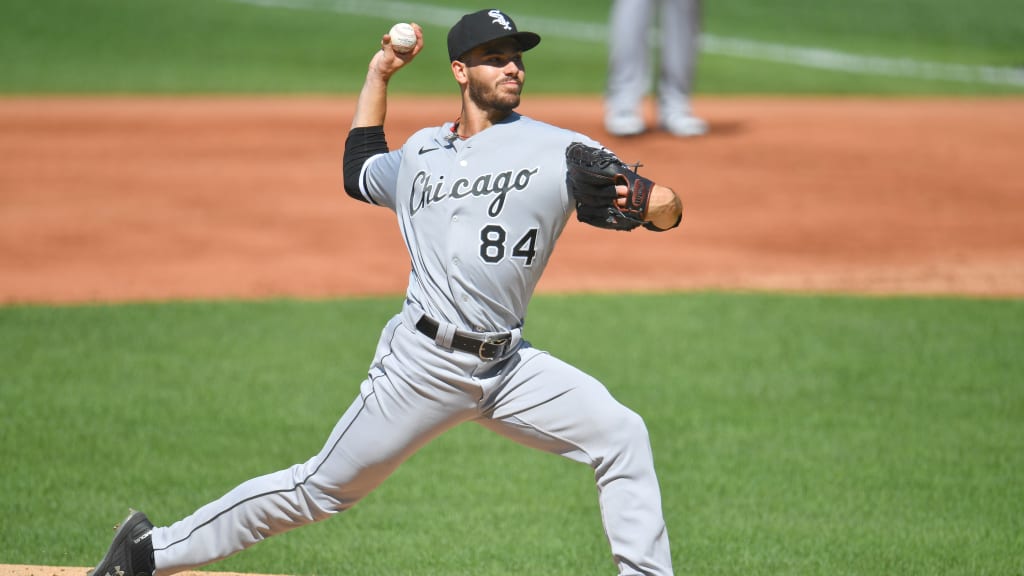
(500,19)
(485,26)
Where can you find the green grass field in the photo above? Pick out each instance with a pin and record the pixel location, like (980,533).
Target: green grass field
(802,435)
(793,434)
(322,46)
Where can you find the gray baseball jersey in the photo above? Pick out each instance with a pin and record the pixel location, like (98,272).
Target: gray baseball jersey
(480,218)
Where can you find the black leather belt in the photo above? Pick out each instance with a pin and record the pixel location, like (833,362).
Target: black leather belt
(483,348)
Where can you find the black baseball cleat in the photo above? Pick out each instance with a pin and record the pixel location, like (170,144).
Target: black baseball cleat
(131,552)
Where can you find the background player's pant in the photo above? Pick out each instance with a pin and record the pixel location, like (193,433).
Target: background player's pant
(631,34)
(415,391)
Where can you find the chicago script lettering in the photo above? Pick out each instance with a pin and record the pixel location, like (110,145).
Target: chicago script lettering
(427,191)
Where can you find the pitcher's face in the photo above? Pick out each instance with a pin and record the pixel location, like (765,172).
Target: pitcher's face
(496,73)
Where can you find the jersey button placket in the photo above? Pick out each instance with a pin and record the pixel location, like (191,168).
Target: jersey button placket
(456,264)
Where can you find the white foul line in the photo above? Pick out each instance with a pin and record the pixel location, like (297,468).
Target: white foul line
(819,58)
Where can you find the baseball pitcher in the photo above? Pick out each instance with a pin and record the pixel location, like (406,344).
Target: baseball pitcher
(480,203)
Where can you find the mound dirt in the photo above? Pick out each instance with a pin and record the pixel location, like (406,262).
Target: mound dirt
(24,570)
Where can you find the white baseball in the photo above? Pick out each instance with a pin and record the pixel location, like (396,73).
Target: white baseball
(403,37)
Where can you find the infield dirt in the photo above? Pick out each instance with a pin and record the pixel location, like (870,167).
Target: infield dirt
(114,199)
(117,199)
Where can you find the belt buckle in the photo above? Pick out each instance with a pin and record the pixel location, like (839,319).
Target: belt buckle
(501,342)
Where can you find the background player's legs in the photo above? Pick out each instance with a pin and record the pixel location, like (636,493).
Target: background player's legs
(548,404)
(390,420)
(680,25)
(680,46)
(628,66)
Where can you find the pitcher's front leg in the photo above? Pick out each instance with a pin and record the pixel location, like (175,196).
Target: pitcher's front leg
(552,406)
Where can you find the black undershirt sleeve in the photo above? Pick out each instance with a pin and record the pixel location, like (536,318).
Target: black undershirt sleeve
(361,144)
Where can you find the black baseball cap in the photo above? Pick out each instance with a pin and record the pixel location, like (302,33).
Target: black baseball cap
(483,26)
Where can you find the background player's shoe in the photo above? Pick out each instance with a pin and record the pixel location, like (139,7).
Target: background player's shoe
(624,125)
(684,125)
(131,552)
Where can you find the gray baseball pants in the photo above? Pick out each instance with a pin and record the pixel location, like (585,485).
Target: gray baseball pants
(415,390)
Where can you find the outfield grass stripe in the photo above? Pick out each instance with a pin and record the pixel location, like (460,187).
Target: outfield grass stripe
(842,62)
(809,57)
